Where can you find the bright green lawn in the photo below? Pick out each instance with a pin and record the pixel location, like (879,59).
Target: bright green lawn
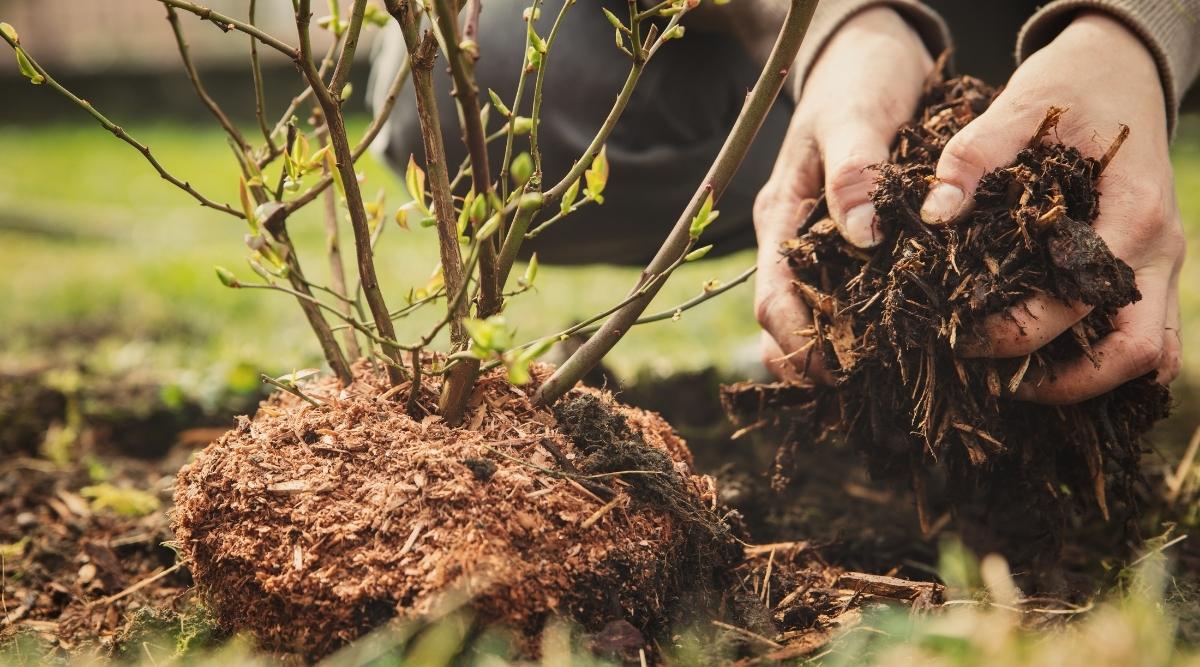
(127,249)
(89,234)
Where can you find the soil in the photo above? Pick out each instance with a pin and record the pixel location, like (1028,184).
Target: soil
(312,525)
(887,323)
(74,575)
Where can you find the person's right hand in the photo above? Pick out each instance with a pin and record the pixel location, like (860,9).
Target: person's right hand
(865,84)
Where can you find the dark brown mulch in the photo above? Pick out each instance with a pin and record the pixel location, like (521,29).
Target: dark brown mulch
(311,525)
(888,321)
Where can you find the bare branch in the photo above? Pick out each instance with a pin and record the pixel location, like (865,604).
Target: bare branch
(260,103)
(674,247)
(346,59)
(226,23)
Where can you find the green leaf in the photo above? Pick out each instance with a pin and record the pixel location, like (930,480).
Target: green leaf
(10,33)
(674,33)
(27,67)
(521,169)
(535,42)
(126,502)
(703,218)
(479,210)
(498,104)
(569,197)
(414,181)
(597,176)
(247,205)
(296,376)
(697,253)
(531,271)
(374,15)
(489,227)
(226,277)
(616,22)
(522,125)
(490,335)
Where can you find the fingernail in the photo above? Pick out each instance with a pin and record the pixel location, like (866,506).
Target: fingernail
(860,226)
(942,204)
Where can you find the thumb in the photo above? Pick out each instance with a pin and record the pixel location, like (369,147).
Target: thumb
(850,150)
(989,142)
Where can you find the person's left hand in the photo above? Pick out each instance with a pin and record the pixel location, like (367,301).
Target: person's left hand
(1105,76)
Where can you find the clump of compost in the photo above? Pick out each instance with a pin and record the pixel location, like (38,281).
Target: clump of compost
(888,322)
(310,525)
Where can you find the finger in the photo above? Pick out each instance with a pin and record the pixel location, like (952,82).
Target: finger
(783,316)
(990,141)
(849,149)
(1172,356)
(1133,349)
(775,360)
(1022,329)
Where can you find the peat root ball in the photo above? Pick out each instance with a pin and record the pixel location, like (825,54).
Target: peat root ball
(890,323)
(311,525)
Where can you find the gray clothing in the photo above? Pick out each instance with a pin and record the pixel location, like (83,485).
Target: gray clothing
(690,95)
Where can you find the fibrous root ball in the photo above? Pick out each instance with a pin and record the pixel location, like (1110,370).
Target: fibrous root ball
(309,525)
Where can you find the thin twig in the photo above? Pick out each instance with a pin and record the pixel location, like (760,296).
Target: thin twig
(121,134)
(737,144)
(194,77)
(260,103)
(226,23)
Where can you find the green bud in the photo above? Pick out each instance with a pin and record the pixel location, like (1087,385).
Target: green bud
(27,68)
(479,209)
(616,22)
(10,33)
(521,169)
(347,91)
(531,201)
(489,227)
(469,47)
(697,253)
(703,218)
(373,14)
(536,42)
(499,104)
(531,270)
(226,277)
(674,33)
(522,125)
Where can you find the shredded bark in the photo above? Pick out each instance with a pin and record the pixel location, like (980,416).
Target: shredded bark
(311,525)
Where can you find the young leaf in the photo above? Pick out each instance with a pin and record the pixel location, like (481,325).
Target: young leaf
(10,33)
(226,277)
(489,227)
(697,253)
(531,271)
(27,68)
(703,218)
(597,176)
(247,205)
(521,169)
(499,104)
(569,197)
(535,42)
(616,22)
(522,125)
(414,181)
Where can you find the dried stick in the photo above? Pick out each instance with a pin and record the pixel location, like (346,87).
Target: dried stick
(737,144)
(422,50)
(466,93)
(226,23)
(337,269)
(194,77)
(260,101)
(336,127)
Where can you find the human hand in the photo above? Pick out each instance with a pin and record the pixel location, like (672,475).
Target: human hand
(1104,76)
(866,84)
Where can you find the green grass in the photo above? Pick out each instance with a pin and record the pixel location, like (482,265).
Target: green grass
(90,234)
(90,237)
